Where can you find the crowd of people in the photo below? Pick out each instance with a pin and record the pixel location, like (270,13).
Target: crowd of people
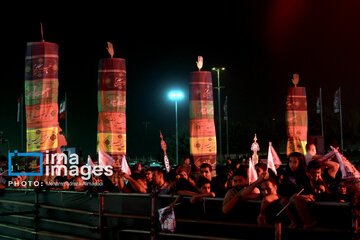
(302,180)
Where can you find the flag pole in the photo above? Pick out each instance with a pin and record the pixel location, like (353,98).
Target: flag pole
(226,118)
(22,121)
(42,32)
(341,128)
(66,125)
(321,114)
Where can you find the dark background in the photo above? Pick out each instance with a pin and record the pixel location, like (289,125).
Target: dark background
(261,44)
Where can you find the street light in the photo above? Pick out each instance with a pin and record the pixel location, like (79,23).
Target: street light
(176,95)
(217,70)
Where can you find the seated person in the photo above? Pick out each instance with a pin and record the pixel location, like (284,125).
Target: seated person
(328,166)
(187,189)
(342,194)
(262,167)
(205,190)
(313,190)
(241,190)
(310,152)
(270,204)
(136,183)
(217,185)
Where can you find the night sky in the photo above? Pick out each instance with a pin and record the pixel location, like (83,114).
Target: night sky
(261,44)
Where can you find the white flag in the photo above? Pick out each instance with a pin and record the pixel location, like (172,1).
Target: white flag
(90,162)
(270,160)
(252,174)
(275,156)
(105,159)
(124,166)
(348,171)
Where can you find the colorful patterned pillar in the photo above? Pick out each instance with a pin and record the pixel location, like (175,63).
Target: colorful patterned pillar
(202,126)
(112,108)
(41,96)
(296,120)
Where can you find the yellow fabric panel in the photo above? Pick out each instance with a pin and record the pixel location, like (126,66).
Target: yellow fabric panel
(42,139)
(112,142)
(202,145)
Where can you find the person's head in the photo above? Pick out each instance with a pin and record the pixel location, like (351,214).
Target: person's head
(239,180)
(268,187)
(342,188)
(205,171)
(149,175)
(260,168)
(296,162)
(187,161)
(204,185)
(311,149)
(183,174)
(137,167)
(314,170)
(158,177)
(79,184)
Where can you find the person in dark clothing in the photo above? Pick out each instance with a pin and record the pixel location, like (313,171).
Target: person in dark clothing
(270,204)
(292,181)
(217,185)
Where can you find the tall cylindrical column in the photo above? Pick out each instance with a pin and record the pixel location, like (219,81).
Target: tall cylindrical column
(41,96)
(112,107)
(202,126)
(296,120)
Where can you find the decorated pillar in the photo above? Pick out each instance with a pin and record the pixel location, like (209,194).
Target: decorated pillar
(111,135)
(202,126)
(296,118)
(41,97)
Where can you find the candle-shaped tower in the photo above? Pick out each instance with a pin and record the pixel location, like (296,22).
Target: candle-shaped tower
(112,106)
(41,97)
(202,126)
(296,118)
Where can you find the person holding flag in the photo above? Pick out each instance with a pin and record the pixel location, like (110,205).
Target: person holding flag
(242,191)
(291,182)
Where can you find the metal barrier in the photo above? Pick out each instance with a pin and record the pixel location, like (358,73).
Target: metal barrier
(29,214)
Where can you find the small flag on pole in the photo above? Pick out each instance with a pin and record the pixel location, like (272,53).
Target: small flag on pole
(252,175)
(275,156)
(270,160)
(124,166)
(90,162)
(337,101)
(105,159)
(18,109)
(62,110)
(318,107)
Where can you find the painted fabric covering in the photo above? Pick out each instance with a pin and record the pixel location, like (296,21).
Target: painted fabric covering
(41,96)
(202,126)
(296,120)
(111,136)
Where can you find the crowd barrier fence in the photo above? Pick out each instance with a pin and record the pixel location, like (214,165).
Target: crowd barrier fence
(54,215)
